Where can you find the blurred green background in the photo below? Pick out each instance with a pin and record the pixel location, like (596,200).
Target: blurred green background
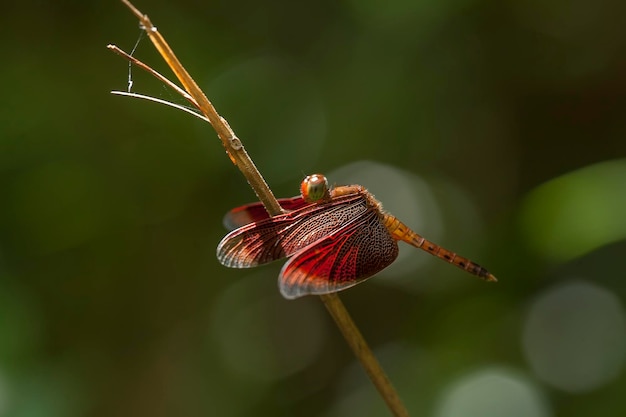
(495,128)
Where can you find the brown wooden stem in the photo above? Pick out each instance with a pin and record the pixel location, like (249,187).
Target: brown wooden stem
(232,144)
(242,160)
(364,354)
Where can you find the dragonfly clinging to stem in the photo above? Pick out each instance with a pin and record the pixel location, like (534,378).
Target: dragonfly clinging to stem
(334,238)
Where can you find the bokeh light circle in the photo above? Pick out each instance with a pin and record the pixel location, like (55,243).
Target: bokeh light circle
(260,336)
(575,336)
(493,392)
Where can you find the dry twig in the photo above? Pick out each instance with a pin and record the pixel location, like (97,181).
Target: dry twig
(240,158)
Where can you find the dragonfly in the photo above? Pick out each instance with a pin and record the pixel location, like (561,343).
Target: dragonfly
(334,237)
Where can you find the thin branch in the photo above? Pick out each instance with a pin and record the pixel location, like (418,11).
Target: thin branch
(240,158)
(364,354)
(155,73)
(160,101)
(230,141)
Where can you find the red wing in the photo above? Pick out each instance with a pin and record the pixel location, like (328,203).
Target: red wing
(254,212)
(283,235)
(349,255)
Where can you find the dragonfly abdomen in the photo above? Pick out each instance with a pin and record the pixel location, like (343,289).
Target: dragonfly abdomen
(402,232)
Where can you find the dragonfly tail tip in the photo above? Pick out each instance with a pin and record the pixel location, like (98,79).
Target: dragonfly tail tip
(490,278)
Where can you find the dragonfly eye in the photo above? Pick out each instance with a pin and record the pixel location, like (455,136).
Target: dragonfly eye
(314,188)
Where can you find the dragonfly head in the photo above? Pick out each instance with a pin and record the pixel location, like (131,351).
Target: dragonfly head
(314,188)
